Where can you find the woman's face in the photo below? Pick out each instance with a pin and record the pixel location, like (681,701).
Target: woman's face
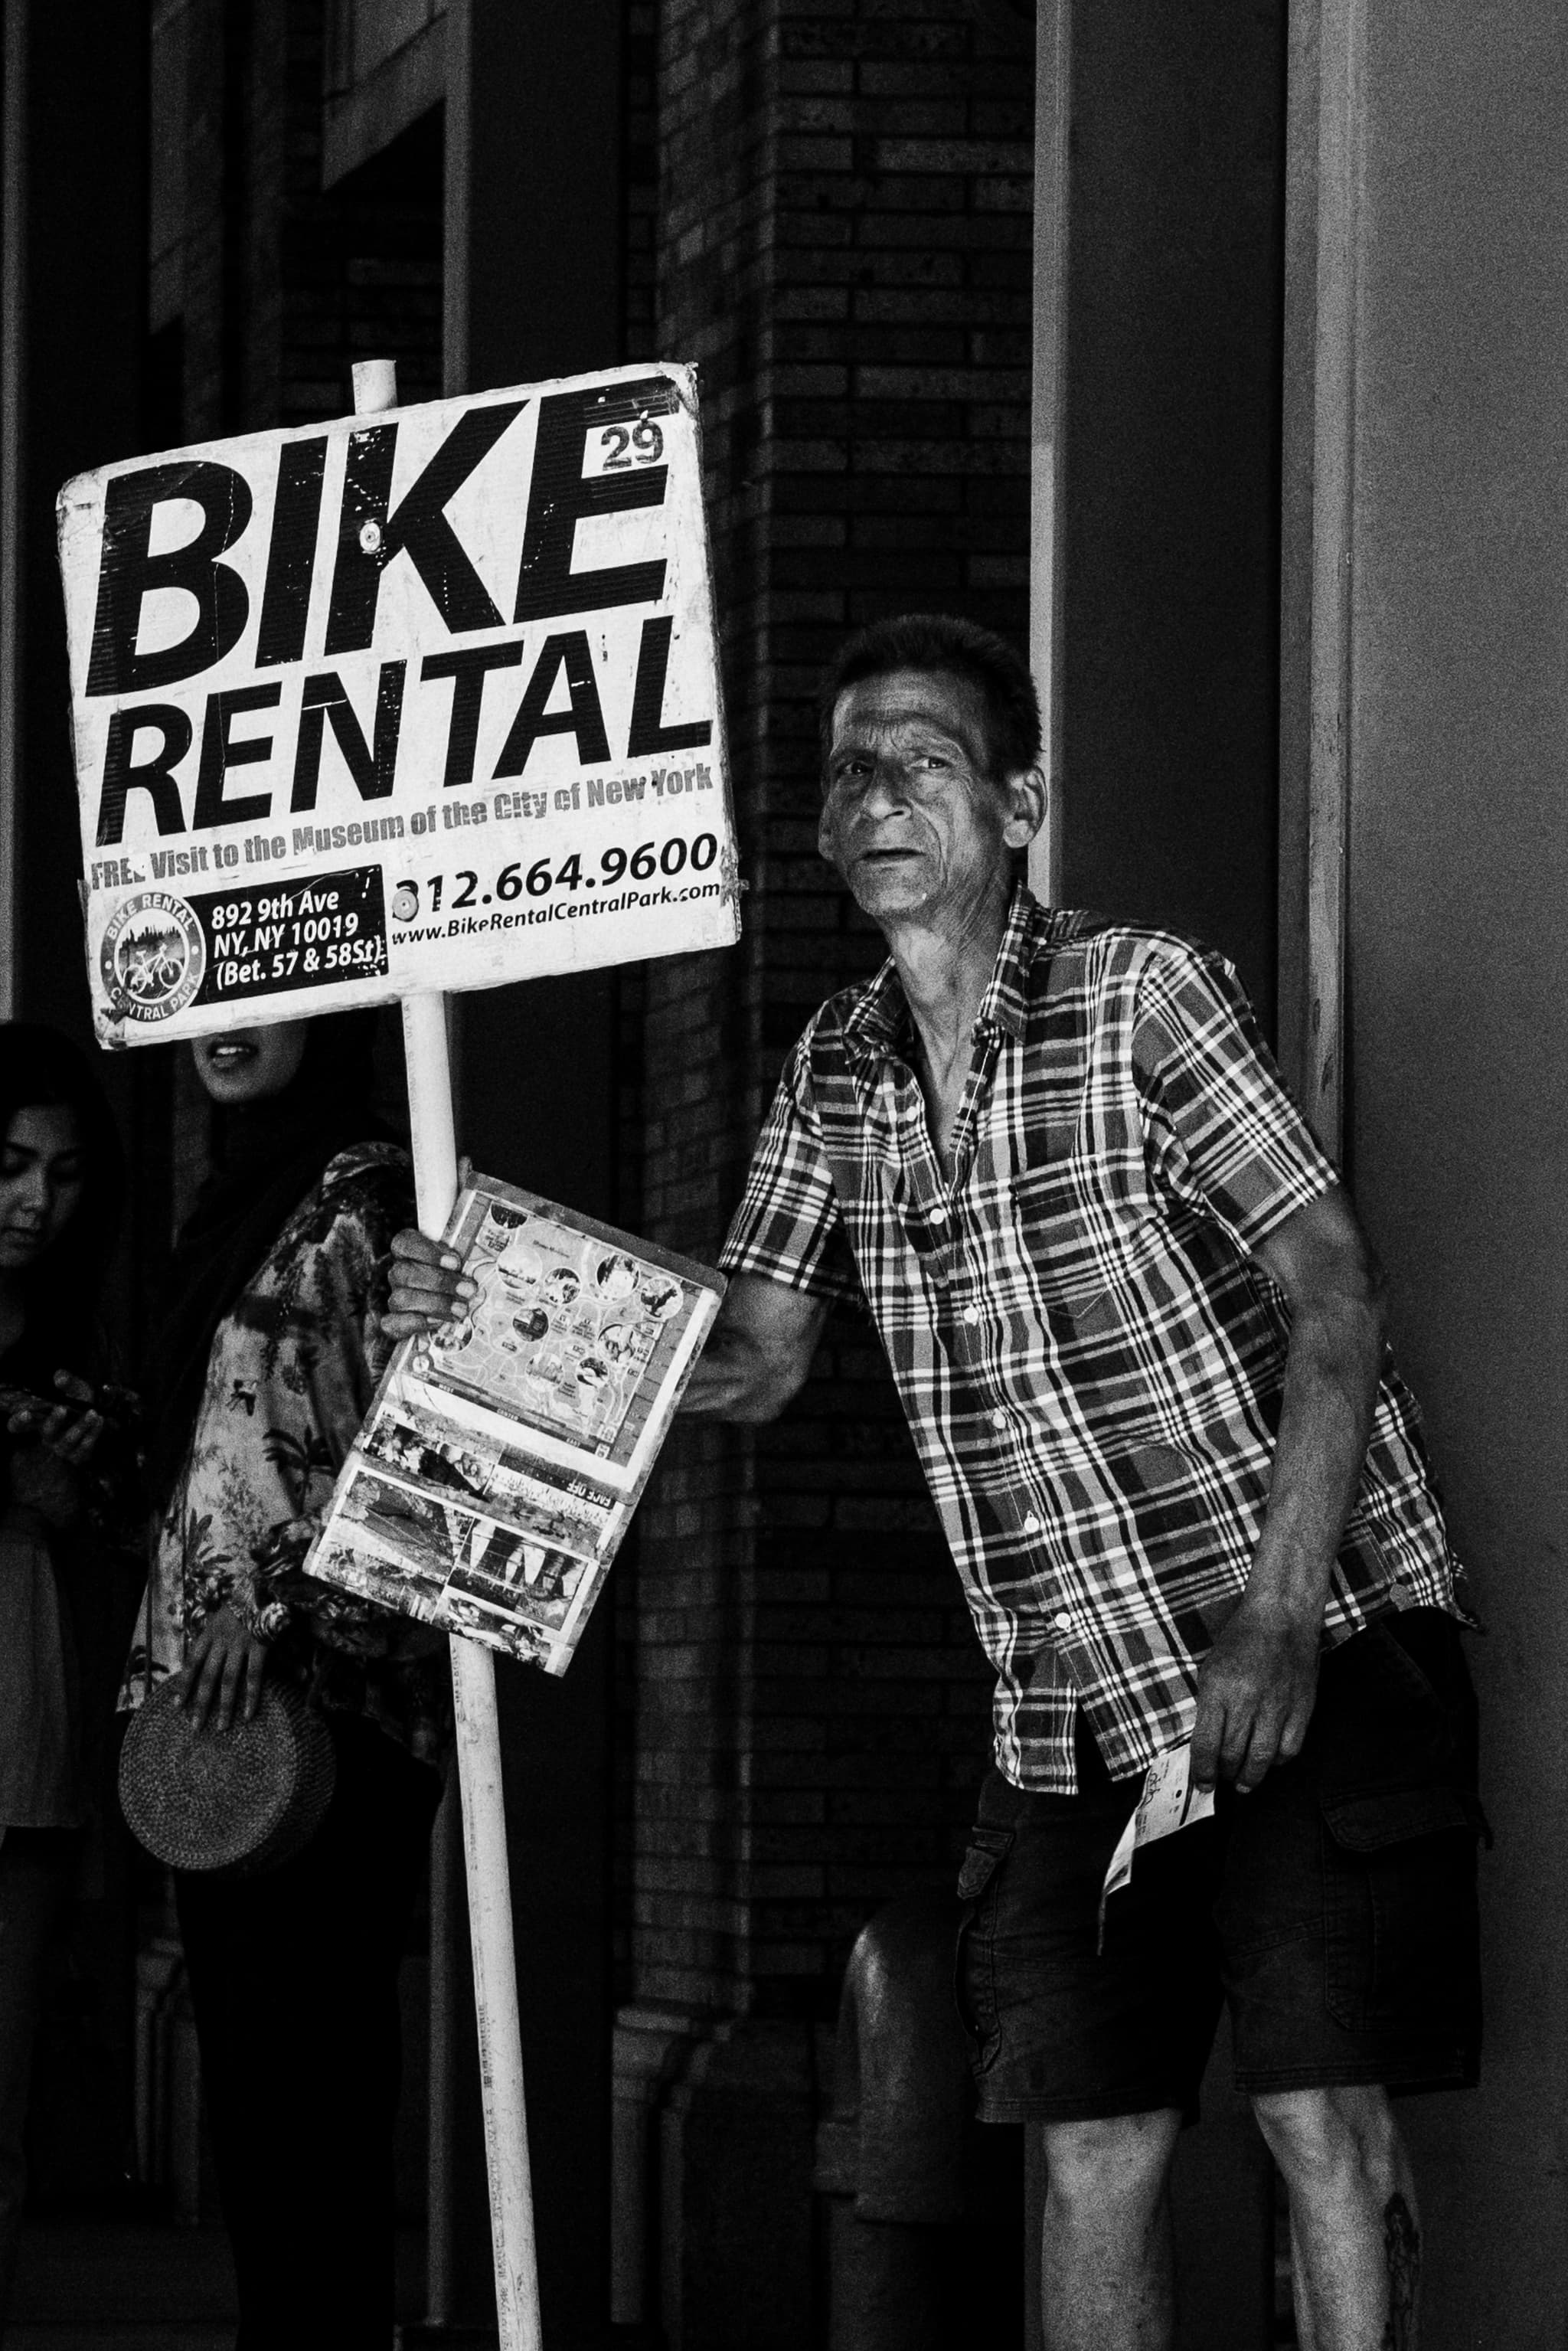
(243,1065)
(42,1175)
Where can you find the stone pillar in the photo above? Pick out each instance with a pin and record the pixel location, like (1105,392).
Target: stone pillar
(649,2051)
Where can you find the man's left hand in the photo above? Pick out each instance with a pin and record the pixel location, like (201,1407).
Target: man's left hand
(1256,1689)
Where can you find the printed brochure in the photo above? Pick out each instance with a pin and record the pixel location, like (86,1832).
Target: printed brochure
(502,1459)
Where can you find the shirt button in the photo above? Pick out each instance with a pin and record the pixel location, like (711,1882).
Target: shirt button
(1031,1524)
(938,1212)
(971,1313)
(998,1418)
(1062,1622)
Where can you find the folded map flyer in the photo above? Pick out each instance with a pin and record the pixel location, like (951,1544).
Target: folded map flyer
(503,1456)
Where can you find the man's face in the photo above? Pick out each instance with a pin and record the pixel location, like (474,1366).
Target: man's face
(912,816)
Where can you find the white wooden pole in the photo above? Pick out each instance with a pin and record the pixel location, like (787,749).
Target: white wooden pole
(1341,106)
(1054,91)
(474,1696)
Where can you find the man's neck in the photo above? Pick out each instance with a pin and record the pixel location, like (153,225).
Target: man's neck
(946,970)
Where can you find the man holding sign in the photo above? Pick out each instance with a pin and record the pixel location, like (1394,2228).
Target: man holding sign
(1138,1336)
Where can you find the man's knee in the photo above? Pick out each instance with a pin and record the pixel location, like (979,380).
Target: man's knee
(1114,2161)
(1324,2134)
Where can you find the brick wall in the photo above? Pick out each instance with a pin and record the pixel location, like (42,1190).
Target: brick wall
(283,283)
(843,246)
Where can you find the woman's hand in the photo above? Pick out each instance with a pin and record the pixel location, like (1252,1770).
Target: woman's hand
(225,1667)
(71,1431)
(45,1471)
(67,1430)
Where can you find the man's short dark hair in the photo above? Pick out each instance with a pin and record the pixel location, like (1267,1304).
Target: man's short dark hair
(936,641)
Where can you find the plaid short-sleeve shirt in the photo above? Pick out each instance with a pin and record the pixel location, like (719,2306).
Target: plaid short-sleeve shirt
(1089,1353)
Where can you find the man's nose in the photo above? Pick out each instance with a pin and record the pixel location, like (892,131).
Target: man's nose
(885,787)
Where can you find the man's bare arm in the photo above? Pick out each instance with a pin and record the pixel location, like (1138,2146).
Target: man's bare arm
(759,1353)
(1256,1687)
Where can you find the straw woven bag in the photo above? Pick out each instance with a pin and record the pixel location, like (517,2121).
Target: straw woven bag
(236,1800)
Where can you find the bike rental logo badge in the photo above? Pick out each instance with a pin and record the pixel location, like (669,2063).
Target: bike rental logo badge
(152,956)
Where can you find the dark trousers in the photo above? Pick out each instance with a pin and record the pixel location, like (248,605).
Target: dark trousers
(294,1981)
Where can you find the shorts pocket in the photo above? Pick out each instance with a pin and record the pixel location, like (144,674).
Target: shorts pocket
(974,1957)
(1400,1919)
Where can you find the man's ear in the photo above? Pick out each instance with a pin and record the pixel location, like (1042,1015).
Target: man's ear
(1026,810)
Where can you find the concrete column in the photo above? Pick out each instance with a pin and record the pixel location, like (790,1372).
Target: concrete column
(1458,963)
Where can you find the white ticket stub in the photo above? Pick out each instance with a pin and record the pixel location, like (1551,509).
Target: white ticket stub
(1169,1801)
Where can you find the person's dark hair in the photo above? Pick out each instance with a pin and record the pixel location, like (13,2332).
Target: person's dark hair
(937,642)
(268,1157)
(41,1070)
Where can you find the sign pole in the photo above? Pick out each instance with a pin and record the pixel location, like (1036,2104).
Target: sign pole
(345,604)
(474,1696)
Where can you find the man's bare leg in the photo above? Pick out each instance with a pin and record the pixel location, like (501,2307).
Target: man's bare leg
(1355,2230)
(1105,2257)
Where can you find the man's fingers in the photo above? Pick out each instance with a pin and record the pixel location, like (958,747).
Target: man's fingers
(77,1391)
(255,1668)
(428,1287)
(1297,1716)
(413,1246)
(1262,1750)
(423,1280)
(419,1262)
(401,1324)
(1238,1725)
(1206,1733)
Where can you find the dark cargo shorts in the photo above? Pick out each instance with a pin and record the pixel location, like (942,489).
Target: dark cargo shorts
(1335,1910)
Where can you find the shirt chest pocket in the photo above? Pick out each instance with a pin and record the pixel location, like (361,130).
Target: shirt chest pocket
(1075,1243)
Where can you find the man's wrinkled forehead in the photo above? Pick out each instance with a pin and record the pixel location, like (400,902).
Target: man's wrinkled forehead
(875,708)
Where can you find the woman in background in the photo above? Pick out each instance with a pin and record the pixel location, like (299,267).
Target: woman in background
(60,1185)
(269,1351)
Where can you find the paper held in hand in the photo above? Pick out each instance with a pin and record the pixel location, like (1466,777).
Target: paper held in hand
(502,1459)
(1169,1801)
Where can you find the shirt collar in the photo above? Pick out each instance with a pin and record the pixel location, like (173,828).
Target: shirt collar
(881,1021)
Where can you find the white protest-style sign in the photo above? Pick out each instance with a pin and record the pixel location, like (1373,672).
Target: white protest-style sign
(420,700)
